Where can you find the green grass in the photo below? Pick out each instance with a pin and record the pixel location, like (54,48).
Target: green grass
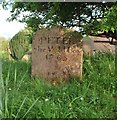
(94,97)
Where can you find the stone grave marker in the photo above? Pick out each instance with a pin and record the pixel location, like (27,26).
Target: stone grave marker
(57,54)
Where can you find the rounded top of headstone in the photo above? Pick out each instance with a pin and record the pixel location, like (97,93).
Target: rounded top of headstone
(57,53)
(68,34)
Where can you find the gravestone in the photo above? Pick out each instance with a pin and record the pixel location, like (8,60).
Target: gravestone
(57,54)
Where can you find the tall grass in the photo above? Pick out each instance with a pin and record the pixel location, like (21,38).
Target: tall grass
(1,90)
(94,97)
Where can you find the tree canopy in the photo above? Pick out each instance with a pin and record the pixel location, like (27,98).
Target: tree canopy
(89,17)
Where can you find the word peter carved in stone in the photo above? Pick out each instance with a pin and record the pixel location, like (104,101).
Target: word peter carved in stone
(57,54)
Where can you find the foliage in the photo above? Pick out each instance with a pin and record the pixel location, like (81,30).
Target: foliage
(19,44)
(4,45)
(2,38)
(94,97)
(85,15)
(4,48)
(110,20)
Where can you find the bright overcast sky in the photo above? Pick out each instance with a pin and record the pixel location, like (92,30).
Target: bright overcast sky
(8,29)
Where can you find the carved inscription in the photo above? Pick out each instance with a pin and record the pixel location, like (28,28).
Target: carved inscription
(55,56)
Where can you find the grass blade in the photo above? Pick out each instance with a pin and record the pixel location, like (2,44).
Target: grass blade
(1,91)
(31,107)
(20,107)
(22,80)
(6,95)
(14,90)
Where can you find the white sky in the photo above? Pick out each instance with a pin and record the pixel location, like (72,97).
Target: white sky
(8,29)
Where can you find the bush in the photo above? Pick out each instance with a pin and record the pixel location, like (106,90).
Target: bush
(19,44)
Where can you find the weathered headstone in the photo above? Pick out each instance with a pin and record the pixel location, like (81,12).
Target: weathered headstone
(57,54)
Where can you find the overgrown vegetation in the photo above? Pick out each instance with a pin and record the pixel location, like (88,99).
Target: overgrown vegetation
(4,48)
(93,97)
(19,44)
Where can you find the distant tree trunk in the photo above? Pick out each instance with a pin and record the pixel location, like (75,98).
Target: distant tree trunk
(113,36)
(109,34)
